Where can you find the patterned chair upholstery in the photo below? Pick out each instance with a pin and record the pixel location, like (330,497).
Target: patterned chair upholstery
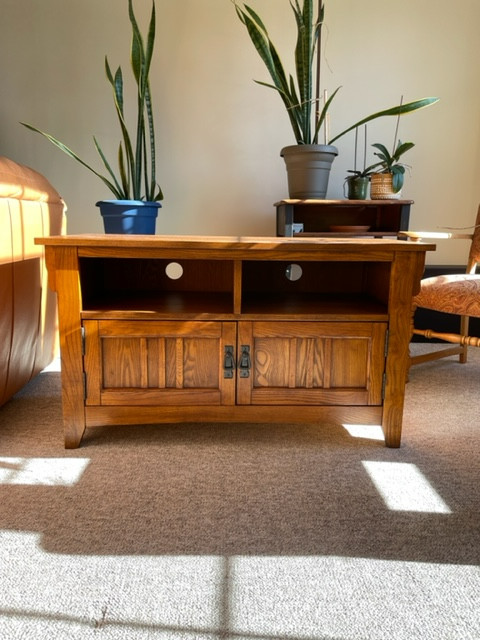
(458,294)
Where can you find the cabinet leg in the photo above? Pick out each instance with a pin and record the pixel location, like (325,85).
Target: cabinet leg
(73,436)
(392,429)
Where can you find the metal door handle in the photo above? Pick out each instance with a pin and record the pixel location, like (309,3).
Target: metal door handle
(228,361)
(245,363)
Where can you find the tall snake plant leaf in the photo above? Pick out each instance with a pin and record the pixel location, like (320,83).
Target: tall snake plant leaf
(137,59)
(300,109)
(153,190)
(398,110)
(149,109)
(268,53)
(117,86)
(297,98)
(304,52)
(131,166)
(265,48)
(141,58)
(124,174)
(324,112)
(107,166)
(72,154)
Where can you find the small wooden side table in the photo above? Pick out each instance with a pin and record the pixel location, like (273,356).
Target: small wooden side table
(323,218)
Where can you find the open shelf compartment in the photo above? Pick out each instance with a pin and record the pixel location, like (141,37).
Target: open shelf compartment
(348,290)
(157,285)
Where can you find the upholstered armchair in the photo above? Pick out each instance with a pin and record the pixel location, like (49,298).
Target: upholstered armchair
(457,294)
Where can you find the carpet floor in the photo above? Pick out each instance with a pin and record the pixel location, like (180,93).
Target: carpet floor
(244,532)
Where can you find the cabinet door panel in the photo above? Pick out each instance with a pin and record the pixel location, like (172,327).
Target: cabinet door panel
(154,362)
(313,363)
(288,362)
(351,359)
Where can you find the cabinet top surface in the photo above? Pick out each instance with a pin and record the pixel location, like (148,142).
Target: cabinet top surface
(229,243)
(345,203)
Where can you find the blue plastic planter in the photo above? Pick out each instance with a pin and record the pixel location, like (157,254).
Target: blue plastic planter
(129,216)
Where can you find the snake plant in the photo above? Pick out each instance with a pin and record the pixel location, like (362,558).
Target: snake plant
(135,179)
(298,94)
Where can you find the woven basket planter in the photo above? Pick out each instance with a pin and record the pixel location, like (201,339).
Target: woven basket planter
(381,187)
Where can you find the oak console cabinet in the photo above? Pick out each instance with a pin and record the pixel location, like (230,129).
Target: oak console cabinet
(157,329)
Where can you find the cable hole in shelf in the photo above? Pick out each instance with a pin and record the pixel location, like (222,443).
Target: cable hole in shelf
(293,272)
(174,270)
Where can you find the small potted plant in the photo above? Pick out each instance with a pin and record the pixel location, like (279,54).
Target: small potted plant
(134,185)
(302,98)
(387,181)
(358,182)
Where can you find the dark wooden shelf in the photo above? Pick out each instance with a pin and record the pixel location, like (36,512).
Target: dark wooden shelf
(383,217)
(167,303)
(321,307)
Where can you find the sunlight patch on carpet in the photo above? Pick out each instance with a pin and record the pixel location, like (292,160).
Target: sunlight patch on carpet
(404,488)
(368,431)
(64,472)
(211,597)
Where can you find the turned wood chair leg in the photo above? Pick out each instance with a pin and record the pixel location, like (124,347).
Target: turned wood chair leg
(412,327)
(464,331)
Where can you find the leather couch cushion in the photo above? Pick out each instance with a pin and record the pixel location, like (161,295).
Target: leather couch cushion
(23,183)
(29,207)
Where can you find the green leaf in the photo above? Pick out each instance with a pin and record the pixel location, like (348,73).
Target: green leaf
(299,100)
(117,86)
(303,61)
(398,110)
(72,154)
(264,47)
(150,43)
(382,148)
(323,113)
(118,189)
(402,148)
(298,108)
(398,172)
(123,171)
(131,167)
(136,52)
(254,16)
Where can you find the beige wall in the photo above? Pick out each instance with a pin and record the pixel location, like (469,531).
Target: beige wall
(219,134)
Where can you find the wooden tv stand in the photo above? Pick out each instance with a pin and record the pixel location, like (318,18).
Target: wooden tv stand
(159,329)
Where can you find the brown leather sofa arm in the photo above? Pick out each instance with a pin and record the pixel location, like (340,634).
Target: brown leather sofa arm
(29,207)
